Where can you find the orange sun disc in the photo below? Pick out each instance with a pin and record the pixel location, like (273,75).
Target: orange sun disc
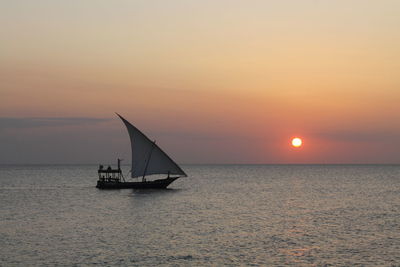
(297,142)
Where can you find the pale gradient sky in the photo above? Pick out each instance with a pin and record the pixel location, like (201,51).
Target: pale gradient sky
(211,81)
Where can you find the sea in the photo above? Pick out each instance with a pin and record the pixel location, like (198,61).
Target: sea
(220,215)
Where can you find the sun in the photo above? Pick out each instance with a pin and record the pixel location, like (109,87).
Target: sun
(297,142)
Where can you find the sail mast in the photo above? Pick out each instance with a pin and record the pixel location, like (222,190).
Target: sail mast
(148,161)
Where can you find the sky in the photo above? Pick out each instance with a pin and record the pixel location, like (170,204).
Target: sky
(214,82)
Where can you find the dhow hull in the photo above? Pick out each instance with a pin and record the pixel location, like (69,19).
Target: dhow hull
(156,184)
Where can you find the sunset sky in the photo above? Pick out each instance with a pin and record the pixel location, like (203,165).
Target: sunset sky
(211,81)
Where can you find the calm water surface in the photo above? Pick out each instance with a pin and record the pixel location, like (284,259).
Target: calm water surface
(220,215)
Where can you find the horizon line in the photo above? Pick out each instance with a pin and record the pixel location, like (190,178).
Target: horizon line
(199,164)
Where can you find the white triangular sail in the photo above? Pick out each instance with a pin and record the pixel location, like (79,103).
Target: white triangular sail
(147,157)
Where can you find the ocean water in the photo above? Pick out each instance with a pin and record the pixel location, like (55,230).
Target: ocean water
(228,215)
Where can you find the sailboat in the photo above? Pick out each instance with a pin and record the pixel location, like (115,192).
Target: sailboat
(147,159)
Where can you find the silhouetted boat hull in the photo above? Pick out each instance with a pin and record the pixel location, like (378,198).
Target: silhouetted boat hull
(156,184)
